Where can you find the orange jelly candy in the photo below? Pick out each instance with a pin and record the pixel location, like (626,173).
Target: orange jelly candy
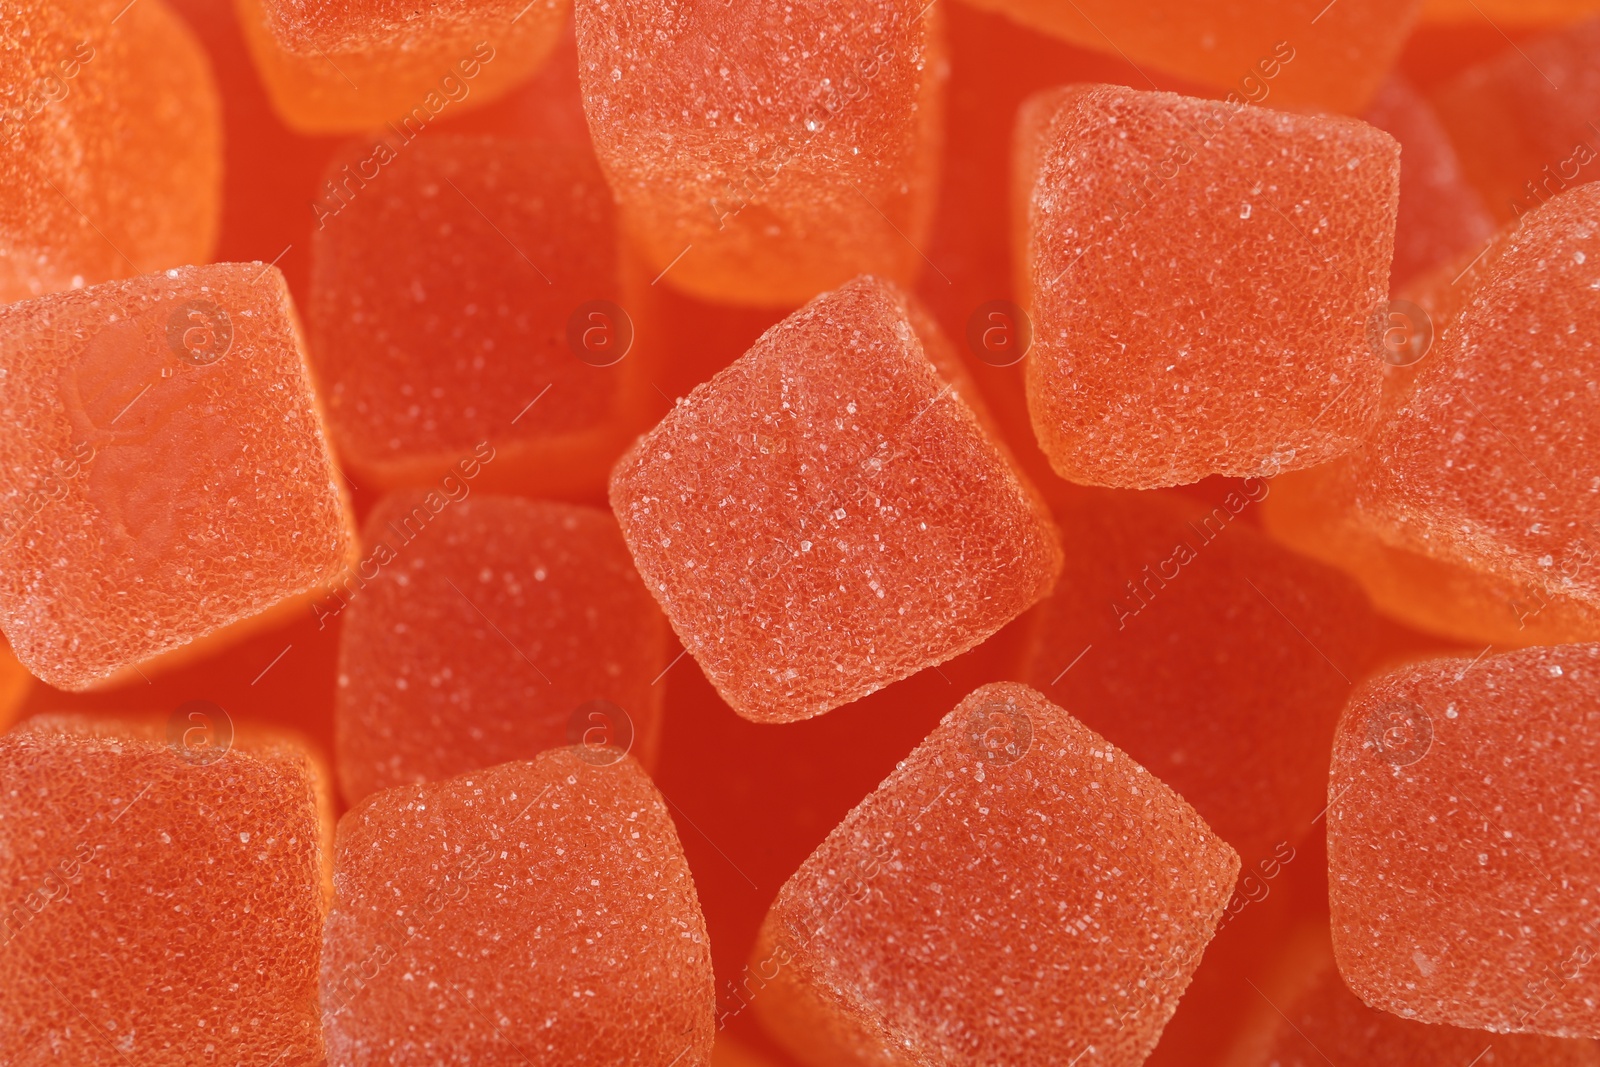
(110,161)
(1200,276)
(1212,656)
(763,153)
(335,66)
(528,915)
(488,631)
(451,293)
(1302,52)
(1016,891)
(1463,862)
(161,900)
(828,515)
(164,468)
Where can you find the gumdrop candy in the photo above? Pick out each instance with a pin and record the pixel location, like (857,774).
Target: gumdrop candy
(533,913)
(1305,1016)
(898,940)
(466,290)
(1299,53)
(162,895)
(1441,215)
(1486,462)
(490,630)
(1520,120)
(1200,276)
(828,515)
(1462,858)
(111,164)
(334,67)
(1212,656)
(763,154)
(163,468)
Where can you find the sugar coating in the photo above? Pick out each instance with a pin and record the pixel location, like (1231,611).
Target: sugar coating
(764,153)
(110,164)
(482,636)
(532,913)
(1462,853)
(158,911)
(1200,277)
(1016,891)
(163,469)
(1216,659)
(827,515)
(441,296)
(1441,216)
(333,66)
(1292,52)
(1488,461)
(1520,120)
(1313,1019)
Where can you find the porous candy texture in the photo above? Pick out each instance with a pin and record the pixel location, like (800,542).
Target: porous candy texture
(332,66)
(1463,856)
(1315,1020)
(1488,462)
(1520,120)
(827,515)
(442,290)
(483,632)
(534,913)
(1216,659)
(163,468)
(1016,891)
(761,153)
(158,910)
(110,164)
(1300,53)
(1200,277)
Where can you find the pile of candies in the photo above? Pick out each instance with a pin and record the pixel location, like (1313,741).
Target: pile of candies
(836,532)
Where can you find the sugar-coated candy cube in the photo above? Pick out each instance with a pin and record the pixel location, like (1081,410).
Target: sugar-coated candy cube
(1294,52)
(827,515)
(1216,659)
(1521,120)
(451,293)
(1305,1016)
(533,913)
(1016,891)
(1462,853)
(161,895)
(1488,461)
(762,154)
(110,162)
(163,468)
(489,631)
(335,66)
(1200,276)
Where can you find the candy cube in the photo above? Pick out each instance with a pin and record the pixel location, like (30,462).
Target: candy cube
(1295,52)
(1017,891)
(1213,657)
(534,913)
(490,629)
(827,515)
(451,293)
(112,164)
(1488,462)
(1200,276)
(1462,853)
(762,154)
(163,468)
(334,67)
(162,894)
